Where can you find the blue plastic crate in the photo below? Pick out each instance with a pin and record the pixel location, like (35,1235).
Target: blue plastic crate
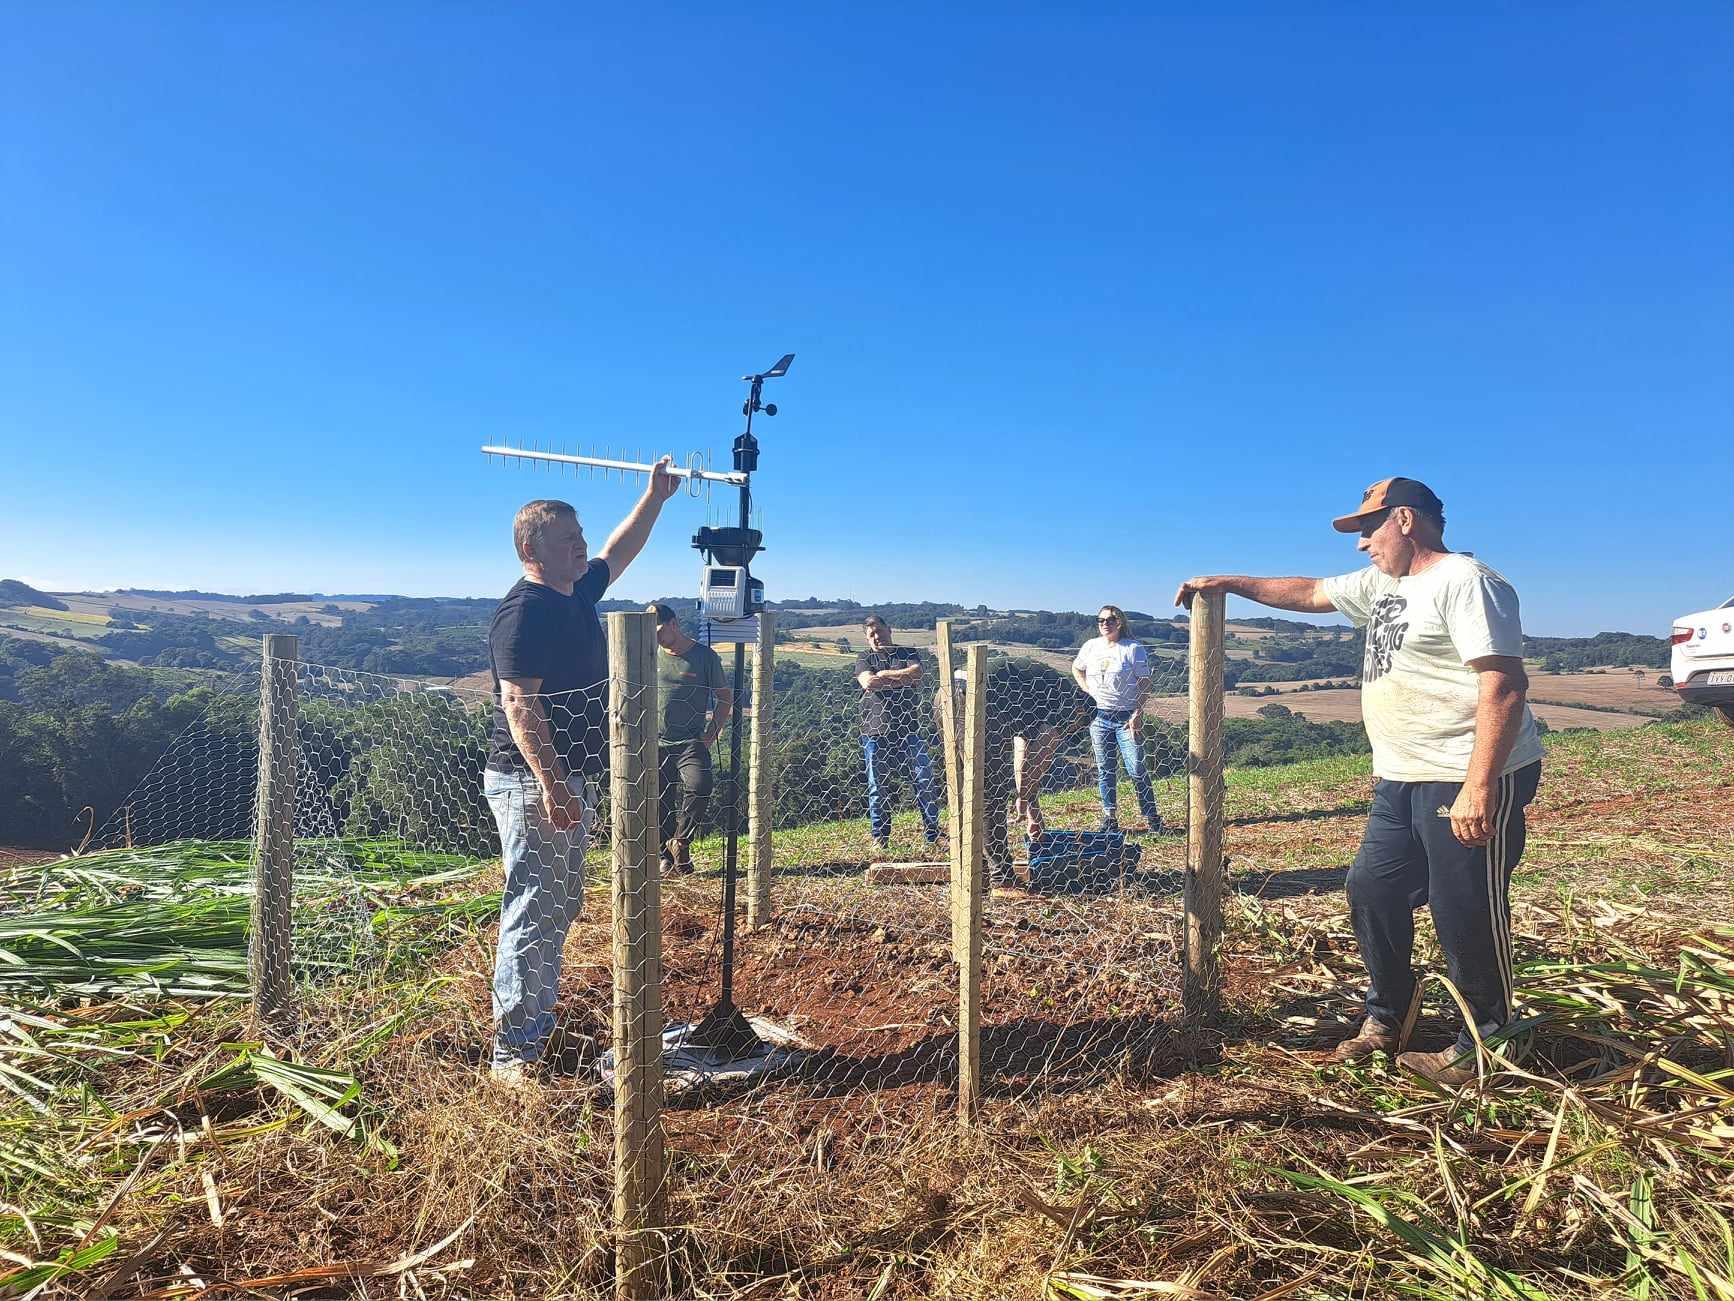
(1080,862)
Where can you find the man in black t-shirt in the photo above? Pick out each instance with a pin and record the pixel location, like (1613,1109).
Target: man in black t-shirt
(889,725)
(550,667)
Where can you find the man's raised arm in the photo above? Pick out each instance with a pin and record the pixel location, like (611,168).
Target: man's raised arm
(1304,595)
(633,532)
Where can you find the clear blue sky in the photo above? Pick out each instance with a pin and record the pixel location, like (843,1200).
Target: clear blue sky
(1082,304)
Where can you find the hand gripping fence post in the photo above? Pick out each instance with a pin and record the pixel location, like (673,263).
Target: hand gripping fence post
(761,781)
(967,887)
(639,1162)
(268,954)
(1202,984)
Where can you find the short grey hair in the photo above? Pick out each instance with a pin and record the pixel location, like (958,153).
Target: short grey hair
(533,517)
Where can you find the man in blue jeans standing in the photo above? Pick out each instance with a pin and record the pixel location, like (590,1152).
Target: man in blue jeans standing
(547,749)
(1115,671)
(889,676)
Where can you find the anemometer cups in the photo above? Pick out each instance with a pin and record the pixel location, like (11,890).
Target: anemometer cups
(728,546)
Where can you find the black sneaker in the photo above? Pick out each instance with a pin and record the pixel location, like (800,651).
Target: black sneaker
(1109,827)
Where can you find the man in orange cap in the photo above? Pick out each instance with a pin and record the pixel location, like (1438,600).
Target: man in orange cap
(1455,751)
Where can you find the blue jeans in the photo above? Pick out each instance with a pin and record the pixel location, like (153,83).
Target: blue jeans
(874,750)
(1109,728)
(543,896)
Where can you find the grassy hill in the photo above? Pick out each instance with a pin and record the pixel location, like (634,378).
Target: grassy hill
(149,1138)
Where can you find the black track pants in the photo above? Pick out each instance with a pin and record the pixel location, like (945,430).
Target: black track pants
(686,784)
(1409,857)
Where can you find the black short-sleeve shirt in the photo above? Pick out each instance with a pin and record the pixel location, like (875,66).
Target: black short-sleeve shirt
(538,633)
(1024,699)
(889,712)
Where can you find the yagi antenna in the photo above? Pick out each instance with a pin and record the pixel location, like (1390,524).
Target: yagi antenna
(696,471)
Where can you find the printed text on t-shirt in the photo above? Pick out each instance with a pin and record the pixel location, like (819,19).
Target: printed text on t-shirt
(1384,637)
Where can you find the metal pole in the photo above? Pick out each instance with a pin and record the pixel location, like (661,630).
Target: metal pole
(732,845)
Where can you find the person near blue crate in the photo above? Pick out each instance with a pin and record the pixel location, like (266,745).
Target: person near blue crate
(548,746)
(890,677)
(1456,754)
(1114,669)
(1032,713)
(694,700)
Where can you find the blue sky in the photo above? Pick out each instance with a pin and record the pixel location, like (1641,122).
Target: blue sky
(1081,303)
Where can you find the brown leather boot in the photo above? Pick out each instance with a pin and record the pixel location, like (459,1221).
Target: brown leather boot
(680,855)
(1372,1037)
(1448,1068)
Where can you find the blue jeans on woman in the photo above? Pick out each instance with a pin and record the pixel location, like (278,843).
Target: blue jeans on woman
(1111,728)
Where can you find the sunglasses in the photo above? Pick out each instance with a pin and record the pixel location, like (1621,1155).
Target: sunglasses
(1110,621)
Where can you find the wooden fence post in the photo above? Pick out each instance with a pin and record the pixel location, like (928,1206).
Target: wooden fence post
(761,781)
(269,946)
(639,1162)
(966,915)
(1201,990)
(946,708)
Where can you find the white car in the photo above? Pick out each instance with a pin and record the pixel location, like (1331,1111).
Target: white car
(1703,659)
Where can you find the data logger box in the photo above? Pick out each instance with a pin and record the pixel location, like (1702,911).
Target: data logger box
(729,592)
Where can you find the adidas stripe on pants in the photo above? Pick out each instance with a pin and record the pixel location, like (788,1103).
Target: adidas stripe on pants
(1409,857)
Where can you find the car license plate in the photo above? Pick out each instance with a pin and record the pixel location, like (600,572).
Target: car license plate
(1721,678)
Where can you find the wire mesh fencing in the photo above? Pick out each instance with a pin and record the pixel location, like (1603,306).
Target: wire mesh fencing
(1085,813)
(398,833)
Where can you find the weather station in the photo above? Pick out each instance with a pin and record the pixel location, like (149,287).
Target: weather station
(723,1042)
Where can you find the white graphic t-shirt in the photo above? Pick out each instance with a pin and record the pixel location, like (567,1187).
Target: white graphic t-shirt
(1112,671)
(1418,693)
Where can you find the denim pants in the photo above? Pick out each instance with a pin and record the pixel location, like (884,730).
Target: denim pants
(543,896)
(1409,859)
(875,750)
(1111,728)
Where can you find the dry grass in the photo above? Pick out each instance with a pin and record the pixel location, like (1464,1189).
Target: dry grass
(1229,1162)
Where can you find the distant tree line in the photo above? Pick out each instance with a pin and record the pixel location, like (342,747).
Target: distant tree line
(1605,649)
(13,592)
(77,731)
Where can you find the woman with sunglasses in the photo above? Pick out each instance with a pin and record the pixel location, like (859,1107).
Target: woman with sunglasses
(1115,671)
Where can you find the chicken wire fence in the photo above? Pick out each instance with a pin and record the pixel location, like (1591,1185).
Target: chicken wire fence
(378,801)
(855,963)
(375,802)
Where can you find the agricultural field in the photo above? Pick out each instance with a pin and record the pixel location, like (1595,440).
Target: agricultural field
(155,1142)
(94,603)
(1345,706)
(1610,701)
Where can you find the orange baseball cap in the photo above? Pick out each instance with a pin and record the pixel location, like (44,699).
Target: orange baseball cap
(1387,493)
